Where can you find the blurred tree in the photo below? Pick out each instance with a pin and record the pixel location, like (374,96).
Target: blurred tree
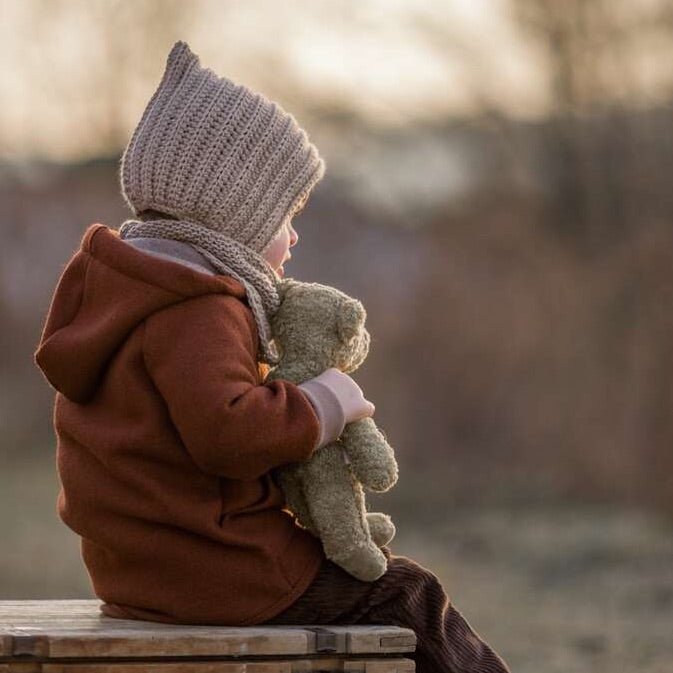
(123,45)
(590,143)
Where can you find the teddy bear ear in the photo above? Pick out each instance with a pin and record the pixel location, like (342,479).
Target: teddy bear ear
(350,320)
(285,285)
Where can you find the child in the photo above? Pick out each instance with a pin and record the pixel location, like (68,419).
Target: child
(156,341)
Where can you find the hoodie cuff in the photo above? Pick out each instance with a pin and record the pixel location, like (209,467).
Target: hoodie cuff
(328,409)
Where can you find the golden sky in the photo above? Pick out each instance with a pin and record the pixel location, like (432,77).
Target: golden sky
(77,73)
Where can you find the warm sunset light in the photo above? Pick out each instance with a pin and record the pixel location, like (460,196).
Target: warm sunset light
(421,245)
(392,63)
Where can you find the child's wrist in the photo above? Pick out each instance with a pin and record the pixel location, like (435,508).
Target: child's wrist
(328,409)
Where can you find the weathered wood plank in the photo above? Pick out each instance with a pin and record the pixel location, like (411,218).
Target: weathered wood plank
(61,607)
(77,629)
(377,639)
(294,666)
(21,667)
(380,666)
(5,645)
(221,641)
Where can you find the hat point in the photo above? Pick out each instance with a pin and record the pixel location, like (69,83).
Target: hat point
(179,49)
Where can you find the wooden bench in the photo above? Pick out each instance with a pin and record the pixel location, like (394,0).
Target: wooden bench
(71,636)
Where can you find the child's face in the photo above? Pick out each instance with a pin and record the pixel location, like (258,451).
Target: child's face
(278,251)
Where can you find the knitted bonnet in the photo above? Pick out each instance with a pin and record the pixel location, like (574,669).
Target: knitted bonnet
(228,166)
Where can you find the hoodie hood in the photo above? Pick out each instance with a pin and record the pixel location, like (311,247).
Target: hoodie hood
(107,289)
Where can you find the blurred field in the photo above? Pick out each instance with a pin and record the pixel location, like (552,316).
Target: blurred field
(553,588)
(525,400)
(558,589)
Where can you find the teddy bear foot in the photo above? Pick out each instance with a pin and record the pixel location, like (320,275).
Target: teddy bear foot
(364,563)
(381,528)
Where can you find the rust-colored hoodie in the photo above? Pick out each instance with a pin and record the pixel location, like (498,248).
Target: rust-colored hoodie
(166,434)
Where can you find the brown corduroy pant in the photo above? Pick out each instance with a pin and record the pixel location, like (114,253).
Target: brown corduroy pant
(406,595)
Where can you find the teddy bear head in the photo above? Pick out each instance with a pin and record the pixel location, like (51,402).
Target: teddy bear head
(319,326)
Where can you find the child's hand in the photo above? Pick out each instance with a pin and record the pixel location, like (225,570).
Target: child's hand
(349,394)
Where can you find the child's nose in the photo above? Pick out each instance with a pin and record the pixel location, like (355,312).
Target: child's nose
(294,236)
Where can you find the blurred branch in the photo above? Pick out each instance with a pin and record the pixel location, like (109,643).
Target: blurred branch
(589,66)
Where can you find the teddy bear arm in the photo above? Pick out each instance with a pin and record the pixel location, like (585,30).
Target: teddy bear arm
(371,457)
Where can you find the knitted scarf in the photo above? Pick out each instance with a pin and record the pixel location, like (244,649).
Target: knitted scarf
(229,257)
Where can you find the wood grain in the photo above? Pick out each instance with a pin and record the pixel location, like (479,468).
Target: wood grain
(34,635)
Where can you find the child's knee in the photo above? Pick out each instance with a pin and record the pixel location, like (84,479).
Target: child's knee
(412,579)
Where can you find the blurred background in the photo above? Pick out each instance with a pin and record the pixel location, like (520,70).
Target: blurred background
(498,194)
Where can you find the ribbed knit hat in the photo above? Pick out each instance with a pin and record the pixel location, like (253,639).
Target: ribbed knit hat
(218,154)
(229,165)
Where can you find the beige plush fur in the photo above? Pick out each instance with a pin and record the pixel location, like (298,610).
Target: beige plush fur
(318,327)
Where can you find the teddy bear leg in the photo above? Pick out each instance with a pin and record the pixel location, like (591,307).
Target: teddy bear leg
(381,528)
(337,507)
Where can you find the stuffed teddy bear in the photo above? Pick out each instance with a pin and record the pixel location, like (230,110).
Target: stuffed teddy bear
(315,328)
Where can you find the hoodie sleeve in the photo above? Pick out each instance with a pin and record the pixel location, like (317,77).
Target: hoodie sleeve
(202,356)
